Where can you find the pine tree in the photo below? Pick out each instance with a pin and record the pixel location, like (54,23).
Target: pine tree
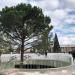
(56,47)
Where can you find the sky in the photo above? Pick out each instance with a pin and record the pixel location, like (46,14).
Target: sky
(61,12)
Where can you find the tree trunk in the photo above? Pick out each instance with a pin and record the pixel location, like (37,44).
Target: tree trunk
(22,51)
(0,58)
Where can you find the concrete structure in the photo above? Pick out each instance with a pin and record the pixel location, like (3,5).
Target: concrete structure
(67,48)
(64,48)
(63,70)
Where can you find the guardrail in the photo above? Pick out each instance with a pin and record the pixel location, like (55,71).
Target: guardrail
(54,59)
(50,56)
(7,59)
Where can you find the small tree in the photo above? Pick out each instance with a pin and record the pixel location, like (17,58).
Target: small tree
(23,22)
(4,45)
(42,46)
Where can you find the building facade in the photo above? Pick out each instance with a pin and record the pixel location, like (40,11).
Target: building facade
(67,48)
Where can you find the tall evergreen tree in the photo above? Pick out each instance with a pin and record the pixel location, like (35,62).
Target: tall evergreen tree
(56,47)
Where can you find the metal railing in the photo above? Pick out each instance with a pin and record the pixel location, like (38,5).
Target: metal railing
(52,59)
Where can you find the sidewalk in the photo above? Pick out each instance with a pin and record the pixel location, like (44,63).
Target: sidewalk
(32,72)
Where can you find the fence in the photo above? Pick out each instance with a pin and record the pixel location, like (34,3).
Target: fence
(53,59)
(28,57)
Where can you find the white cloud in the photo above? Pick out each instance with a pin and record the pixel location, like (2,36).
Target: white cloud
(58,11)
(69,3)
(67,40)
(71,30)
(59,14)
(55,22)
(46,4)
(4,3)
(48,13)
(53,4)
(68,9)
(66,37)
(70,20)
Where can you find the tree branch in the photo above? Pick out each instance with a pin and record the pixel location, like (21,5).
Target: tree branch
(30,47)
(12,36)
(17,32)
(30,37)
(31,42)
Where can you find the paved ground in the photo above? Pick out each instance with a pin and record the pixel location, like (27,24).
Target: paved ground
(73,69)
(60,71)
(17,72)
(37,73)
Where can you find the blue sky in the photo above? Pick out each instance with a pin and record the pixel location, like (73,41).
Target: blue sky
(61,12)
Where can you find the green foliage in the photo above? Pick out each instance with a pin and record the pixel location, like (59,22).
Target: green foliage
(4,44)
(44,43)
(12,19)
(22,22)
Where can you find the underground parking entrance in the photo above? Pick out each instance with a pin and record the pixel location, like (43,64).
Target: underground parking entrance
(39,65)
(53,60)
(42,64)
(33,66)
